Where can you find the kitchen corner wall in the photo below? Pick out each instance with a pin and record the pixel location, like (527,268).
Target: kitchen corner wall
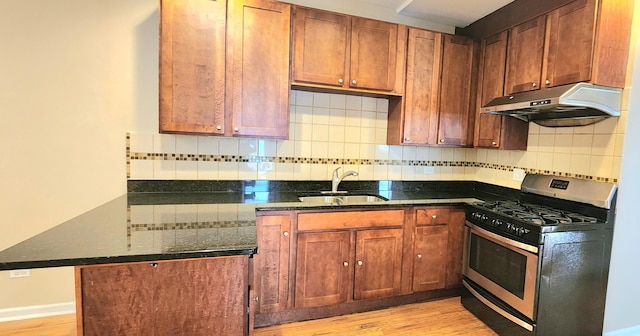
(334,130)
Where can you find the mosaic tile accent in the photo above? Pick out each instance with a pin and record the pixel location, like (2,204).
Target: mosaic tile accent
(343,161)
(190,225)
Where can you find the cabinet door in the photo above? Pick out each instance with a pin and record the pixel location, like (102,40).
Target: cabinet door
(201,296)
(272,263)
(319,46)
(455,118)
(192,66)
(571,32)
(525,52)
(324,274)
(492,69)
(378,263)
(494,131)
(114,301)
(258,54)
(430,257)
(373,54)
(422,87)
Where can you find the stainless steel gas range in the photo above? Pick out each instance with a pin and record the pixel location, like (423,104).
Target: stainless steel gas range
(538,265)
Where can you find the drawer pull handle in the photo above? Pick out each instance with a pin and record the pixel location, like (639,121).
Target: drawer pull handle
(359,262)
(345,264)
(419,256)
(286,234)
(434,216)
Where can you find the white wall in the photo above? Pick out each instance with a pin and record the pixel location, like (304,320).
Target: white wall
(623,292)
(73,74)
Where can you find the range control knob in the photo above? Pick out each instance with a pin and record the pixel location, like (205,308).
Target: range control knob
(497,222)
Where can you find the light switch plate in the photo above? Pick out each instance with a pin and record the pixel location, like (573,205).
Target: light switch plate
(518,174)
(19,273)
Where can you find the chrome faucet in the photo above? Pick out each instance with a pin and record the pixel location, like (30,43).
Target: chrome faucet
(335,181)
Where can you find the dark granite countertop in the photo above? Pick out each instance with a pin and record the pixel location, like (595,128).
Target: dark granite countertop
(159,220)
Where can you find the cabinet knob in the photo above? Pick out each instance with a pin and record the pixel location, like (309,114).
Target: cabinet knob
(354,82)
(547,82)
(360,262)
(494,143)
(419,256)
(256,299)
(286,234)
(345,264)
(442,140)
(406,139)
(235,129)
(434,216)
(340,81)
(534,84)
(154,265)
(218,127)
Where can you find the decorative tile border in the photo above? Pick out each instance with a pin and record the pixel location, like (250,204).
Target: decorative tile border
(190,225)
(340,161)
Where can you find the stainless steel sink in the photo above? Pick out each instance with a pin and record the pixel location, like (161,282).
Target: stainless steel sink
(342,199)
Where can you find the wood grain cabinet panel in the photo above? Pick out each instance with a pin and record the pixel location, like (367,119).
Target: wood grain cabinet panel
(337,51)
(455,246)
(373,54)
(271,273)
(524,57)
(494,131)
(437,107)
(192,66)
(378,263)
(455,121)
(320,46)
(324,270)
(194,296)
(430,257)
(258,55)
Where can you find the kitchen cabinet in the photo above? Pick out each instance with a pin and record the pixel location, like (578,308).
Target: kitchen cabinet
(258,50)
(361,260)
(192,66)
(493,131)
(271,272)
(345,52)
(524,56)
(437,250)
(437,106)
(215,59)
(207,296)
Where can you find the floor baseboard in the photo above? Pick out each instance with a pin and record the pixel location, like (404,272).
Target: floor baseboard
(23,313)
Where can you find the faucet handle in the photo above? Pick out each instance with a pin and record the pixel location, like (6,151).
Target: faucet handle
(335,172)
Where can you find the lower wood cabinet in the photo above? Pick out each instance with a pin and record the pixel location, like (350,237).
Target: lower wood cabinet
(313,264)
(207,296)
(330,269)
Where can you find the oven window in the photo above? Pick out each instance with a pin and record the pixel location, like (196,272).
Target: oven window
(499,264)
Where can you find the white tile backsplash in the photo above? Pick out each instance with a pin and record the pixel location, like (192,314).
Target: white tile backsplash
(334,126)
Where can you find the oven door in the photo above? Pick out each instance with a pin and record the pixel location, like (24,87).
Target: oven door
(503,267)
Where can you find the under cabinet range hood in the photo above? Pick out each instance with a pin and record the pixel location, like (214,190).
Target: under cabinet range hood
(562,106)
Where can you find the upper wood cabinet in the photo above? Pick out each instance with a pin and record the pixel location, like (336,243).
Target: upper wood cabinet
(436,109)
(344,52)
(493,131)
(581,41)
(271,271)
(258,67)
(524,56)
(234,83)
(589,41)
(192,66)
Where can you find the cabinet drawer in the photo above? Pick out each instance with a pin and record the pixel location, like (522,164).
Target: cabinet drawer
(350,219)
(432,216)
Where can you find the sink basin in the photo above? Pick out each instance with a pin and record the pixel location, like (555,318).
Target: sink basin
(341,200)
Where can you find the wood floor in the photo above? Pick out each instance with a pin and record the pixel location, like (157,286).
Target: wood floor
(441,317)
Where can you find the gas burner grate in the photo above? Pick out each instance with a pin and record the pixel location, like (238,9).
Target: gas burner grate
(536,214)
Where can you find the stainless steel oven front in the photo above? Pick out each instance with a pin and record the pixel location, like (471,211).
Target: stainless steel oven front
(504,267)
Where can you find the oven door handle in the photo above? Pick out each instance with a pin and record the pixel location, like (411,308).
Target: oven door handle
(498,309)
(502,240)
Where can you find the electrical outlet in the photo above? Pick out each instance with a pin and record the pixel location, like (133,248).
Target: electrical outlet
(265,166)
(429,170)
(518,174)
(20,273)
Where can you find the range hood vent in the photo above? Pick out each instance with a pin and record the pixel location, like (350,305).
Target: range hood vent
(562,106)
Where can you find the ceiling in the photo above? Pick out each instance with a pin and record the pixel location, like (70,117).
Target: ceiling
(458,13)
